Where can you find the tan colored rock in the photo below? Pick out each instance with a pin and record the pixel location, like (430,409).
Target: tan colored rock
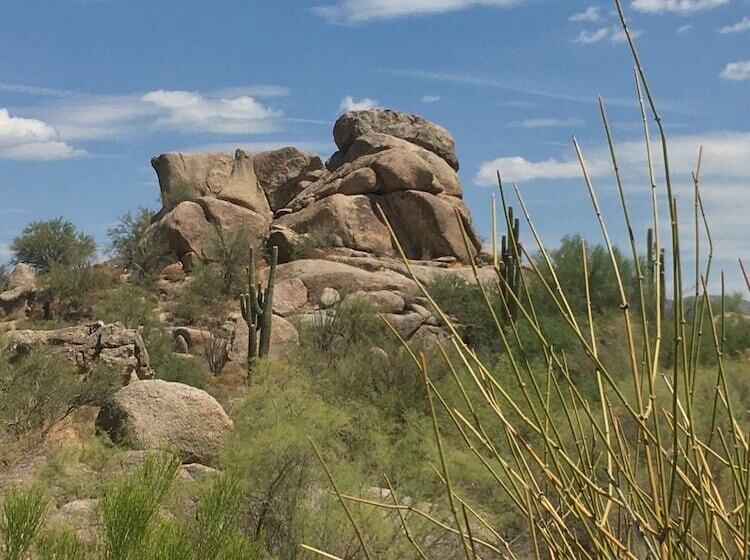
(156,414)
(382,301)
(281,171)
(427,226)
(415,129)
(186,229)
(233,218)
(317,275)
(22,276)
(84,344)
(221,176)
(290,296)
(350,218)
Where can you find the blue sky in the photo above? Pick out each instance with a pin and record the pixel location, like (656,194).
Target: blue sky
(91,89)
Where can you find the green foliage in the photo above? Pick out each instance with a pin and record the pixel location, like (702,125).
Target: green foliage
(53,242)
(128,507)
(38,388)
(228,250)
(135,248)
(70,288)
(310,244)
(169,366)
(203,297)
(61,544)
(567,259)
(20,521)
(128,304)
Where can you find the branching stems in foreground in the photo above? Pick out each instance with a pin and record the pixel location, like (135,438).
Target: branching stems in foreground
(628,472)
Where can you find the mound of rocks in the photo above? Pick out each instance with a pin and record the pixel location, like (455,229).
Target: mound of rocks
(156,414)
(111,344)
(389,166)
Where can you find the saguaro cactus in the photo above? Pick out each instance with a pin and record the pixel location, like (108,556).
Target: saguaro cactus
(510,253)
(257,309)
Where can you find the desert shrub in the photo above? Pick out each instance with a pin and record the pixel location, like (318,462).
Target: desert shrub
(20,521)
(310,244)
(38,388)
(128,304)
(137,249)
(216,349)
(61,544)
(204,295)
(53,242)
(167,365)
(129,506)
(228,251)
(70,289)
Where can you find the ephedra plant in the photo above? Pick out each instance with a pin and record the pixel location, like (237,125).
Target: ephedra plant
(631,472)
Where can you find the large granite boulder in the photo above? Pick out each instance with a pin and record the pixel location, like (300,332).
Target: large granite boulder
(413,128)
(283,173)
(157,414)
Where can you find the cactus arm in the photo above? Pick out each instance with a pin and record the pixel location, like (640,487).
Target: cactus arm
(267,316)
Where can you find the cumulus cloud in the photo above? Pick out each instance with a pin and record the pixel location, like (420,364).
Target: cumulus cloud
(613,33)
(591,14)
(737,71)
(360,11)
(351,104)
(193,112)
(430,98)
(31,139)
(739,27)
(683,7)
(725,154)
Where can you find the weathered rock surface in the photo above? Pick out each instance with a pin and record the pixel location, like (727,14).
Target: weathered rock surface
(415,129)
(84,344)
(397,162)
(15,301)
(284,172)
(156,414)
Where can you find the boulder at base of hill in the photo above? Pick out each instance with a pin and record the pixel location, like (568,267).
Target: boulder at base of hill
(156,414)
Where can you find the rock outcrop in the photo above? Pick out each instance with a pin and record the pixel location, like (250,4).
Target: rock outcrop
(157,414)
(390,165)
(111,344)
(20,293)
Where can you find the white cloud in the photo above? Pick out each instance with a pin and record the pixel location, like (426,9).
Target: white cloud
(684,29)
(737,71)
(614,33)
(104,117)
(360,11)
(677,6)
(192,112)
(726,154)
(550,122)
(739,27)
(591,14)
(31,139)
(351,104)
(430,98)
(589,37)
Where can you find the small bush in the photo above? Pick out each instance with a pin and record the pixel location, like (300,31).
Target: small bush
(129,305)
(204,295)
(216,349)
(70,289)
(3,278)
(137,249)
(20,521)
(53,242)
(61,544)
(169,366)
